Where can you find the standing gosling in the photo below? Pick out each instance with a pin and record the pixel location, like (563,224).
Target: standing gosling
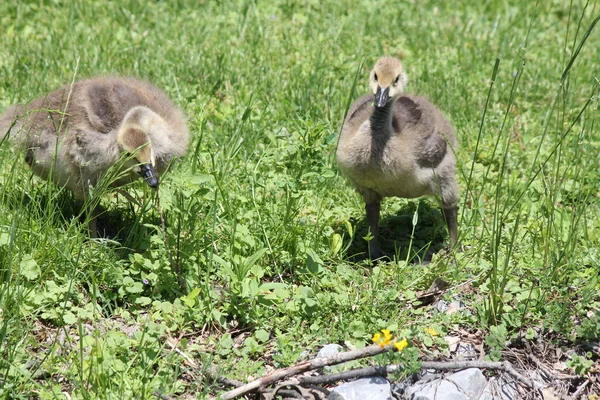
(398,145)
(75,134)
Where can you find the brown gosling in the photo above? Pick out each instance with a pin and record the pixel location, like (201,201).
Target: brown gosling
(397,144)
(74,135)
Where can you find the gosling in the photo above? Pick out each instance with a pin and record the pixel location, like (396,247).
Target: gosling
(399,145)
(76,134)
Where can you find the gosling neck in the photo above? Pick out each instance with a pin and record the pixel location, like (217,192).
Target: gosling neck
(381,119)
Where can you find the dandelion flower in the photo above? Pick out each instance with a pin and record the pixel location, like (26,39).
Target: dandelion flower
(376,337)
(386,334)
(386,340)
(401,345)
(431,331)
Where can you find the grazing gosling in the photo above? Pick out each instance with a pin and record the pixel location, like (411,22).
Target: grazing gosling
(399,145)
(74,135)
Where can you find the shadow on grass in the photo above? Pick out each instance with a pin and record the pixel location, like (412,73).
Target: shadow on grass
(120,223)
(395,232)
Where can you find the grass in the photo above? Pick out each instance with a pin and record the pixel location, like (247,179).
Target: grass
(259,219)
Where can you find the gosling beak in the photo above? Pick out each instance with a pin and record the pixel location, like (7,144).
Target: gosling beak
(382,96)
(149,174)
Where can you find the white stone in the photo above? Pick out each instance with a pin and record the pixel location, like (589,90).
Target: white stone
(372,388)
(453,342)
(328,350)
(499,390)
(469,381)
(438,389)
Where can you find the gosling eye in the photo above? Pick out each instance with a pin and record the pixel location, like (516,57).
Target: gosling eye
(397,80)
(375,76)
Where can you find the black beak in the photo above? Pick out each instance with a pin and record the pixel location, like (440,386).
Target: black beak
(149,174)
(382,96)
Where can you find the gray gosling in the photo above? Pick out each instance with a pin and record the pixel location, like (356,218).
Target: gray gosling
(396,144)
(74,135)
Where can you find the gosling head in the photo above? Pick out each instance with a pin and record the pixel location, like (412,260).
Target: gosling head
(132,139)
(387,80)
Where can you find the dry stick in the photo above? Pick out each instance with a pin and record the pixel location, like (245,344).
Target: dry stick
(580,390)
(443,365)
(551,373)
(363,353)
(191,362)
(383,370)
(303,367)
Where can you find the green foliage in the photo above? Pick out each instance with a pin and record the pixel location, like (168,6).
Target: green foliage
(580,364)
(266,233)
(496,340)
(590,327)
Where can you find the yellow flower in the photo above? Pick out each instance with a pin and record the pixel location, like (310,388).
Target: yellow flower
(431,331)
(376,337)
(401,344)
(386,340)
(386,334)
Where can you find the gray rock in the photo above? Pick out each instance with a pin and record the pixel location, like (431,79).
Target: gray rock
(442,306)
(453,342)
(372,388)
(469,381)
(466,351)
(499,389)
(399,388)
(438,389)
(468,384)
(429,375)
(304,355)
(328,350)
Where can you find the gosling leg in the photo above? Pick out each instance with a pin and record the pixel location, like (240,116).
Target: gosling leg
(450,214)
(372,209)
(92,226)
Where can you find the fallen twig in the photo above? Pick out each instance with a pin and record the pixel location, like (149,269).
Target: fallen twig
(352,374)
(552,374)
(303,367)
(580,389)
(383,370)
(189,360)
(438,365)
